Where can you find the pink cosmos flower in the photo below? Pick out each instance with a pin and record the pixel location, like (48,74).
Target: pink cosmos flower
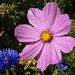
(46,35)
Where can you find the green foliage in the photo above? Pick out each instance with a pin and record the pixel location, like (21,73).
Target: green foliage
(56,71)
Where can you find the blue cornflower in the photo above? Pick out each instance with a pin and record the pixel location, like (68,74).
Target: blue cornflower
(8,58)
(62,65)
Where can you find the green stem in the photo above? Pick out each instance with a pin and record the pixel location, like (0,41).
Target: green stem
(44,2)
(43,73)
(14,73)
(7,72)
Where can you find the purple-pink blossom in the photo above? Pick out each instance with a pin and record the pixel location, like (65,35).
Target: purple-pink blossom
(46,35)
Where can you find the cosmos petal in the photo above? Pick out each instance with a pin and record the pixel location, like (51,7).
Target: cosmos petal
(50,54)
(26,33)
(65,43)
(35,18)
(31,50)
(50,12)
(53,53)
(41,60)
(62,25)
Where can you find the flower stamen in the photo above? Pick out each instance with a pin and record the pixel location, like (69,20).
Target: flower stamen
(45,36)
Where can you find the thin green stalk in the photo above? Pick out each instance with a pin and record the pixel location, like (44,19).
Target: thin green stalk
(7,72)
(14,73)
(12,69)
(43,73)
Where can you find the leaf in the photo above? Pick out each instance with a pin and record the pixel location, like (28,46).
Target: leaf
(14,73)
(33,68)
(55,0)
(38,73)
(73,64)
(27,73)
(55,72)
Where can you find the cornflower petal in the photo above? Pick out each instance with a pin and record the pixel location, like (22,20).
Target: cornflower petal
(8,58)
(1,55)
(31,50)
(50,13)
(26,33)
(62,66)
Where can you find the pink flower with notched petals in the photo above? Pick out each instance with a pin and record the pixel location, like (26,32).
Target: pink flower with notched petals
(46,35)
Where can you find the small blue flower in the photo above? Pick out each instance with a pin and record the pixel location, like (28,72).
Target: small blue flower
(8,58)
(62,65)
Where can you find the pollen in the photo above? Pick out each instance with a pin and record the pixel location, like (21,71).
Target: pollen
(45,36)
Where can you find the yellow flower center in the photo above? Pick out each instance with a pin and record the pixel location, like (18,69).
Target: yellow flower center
(45,36)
